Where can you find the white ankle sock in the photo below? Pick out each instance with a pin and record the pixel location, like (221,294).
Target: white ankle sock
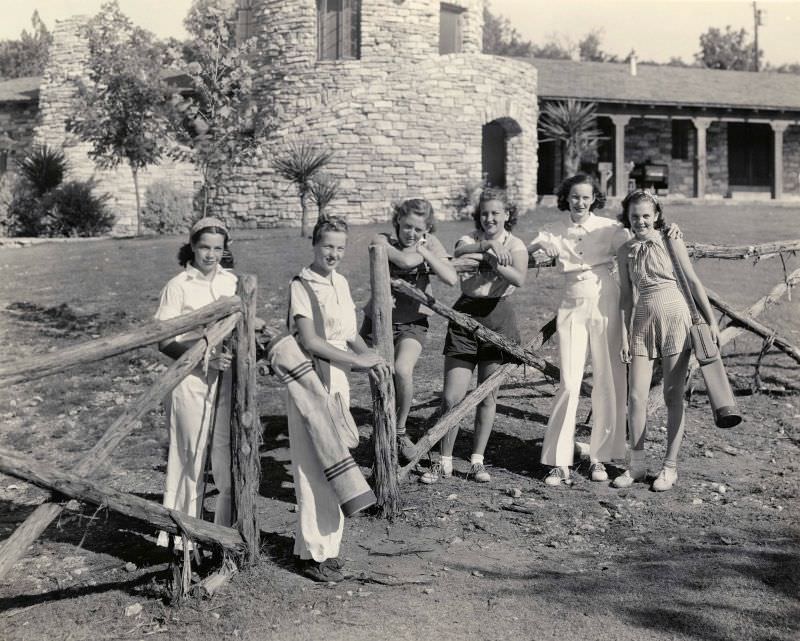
(476,459)
(446,462)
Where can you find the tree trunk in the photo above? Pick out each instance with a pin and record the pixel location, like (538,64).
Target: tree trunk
(305,226)
(135,173)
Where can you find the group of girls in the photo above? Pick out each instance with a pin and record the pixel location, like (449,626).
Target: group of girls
(597,311)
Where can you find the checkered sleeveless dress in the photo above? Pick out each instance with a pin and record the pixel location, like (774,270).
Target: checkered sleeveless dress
(661,317)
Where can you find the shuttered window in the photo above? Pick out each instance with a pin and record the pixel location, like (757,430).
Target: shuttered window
(338,29)
(244,21)
(449,28)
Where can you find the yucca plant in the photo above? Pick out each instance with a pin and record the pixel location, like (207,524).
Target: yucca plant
(300,164)
(575,124)
(43,168)
(324,189)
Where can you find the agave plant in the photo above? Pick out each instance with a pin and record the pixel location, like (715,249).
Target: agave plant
(324,189)
(299,165)
(43,168)
(575,124)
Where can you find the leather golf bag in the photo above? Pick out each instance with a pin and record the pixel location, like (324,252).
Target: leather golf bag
(705,349)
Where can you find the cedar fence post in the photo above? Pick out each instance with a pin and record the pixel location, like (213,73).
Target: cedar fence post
(384,437)
(246,423)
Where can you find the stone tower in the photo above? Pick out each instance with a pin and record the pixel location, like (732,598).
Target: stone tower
(402,94)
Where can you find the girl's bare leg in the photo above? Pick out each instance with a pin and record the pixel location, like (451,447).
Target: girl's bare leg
(406,356)
(640,374)
(675,368)
(484,415)
(457,376)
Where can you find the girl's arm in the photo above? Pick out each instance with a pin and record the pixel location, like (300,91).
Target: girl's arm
(219,360)
(405,260)
(540,244)
(381,370)
(696,287)
(318,346)
(514,273)
(499,250)
(625,301)
(437,260)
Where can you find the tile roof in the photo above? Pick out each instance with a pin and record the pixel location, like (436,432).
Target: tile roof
(20,89)
(655,84)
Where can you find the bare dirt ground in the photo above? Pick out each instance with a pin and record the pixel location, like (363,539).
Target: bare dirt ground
(716,558)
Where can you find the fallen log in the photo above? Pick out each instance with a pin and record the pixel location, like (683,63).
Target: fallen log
(149,512)
(36,367)
(460,411)
(14,546)
(655,400)
(525,355)
(754,326)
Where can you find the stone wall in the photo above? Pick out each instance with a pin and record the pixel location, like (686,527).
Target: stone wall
(66,68)
(402,120)
(717,163)
(651,139)
(791,161)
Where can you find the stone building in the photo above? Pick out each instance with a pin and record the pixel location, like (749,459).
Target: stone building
(720,134)
(401,93)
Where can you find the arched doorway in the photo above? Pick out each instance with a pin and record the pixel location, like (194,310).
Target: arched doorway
(495,150)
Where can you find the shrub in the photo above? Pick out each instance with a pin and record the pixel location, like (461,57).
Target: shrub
(466,198)
(26,215)
(8,186)
(44,168)
(77,211)
(167,210)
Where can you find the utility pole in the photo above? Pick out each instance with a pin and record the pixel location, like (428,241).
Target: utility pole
(758,21)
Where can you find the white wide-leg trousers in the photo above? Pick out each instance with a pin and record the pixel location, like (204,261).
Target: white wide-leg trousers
(589,316)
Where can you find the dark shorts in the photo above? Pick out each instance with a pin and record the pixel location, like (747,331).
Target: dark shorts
(496,314)
(418,330)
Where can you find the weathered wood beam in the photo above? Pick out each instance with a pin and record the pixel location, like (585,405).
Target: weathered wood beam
(73,486)
(384,419)
(14,547)
(467,322)
(754,326)
(453,417)
(36,367)
(246,423)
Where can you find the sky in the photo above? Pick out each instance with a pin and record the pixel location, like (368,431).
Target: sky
(656,29)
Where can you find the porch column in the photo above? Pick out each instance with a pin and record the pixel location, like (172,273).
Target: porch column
(620,175)
(778,127)
(701,157)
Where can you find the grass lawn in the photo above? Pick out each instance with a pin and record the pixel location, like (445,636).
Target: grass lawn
(590,563)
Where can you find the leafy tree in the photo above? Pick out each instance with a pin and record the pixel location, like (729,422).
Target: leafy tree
(300,165)
(120,112)
(573,123)
(726,50)
(220,125)
(554,50)
(589,48)
(28,55)
(501,39)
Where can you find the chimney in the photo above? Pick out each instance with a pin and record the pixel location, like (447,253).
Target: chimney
(632,58)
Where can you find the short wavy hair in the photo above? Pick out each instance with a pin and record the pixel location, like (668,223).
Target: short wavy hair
(562,195)
(418,206)
(331,223)
(495,193)
(637,196)
(186,253)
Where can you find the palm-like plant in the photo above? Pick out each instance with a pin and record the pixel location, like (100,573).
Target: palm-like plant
(43,168)
(575,124)
(324,188)
(301,162)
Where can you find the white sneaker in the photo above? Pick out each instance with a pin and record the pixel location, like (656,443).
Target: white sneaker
(666,478)
(436,471)
(597,472)
(557,476)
